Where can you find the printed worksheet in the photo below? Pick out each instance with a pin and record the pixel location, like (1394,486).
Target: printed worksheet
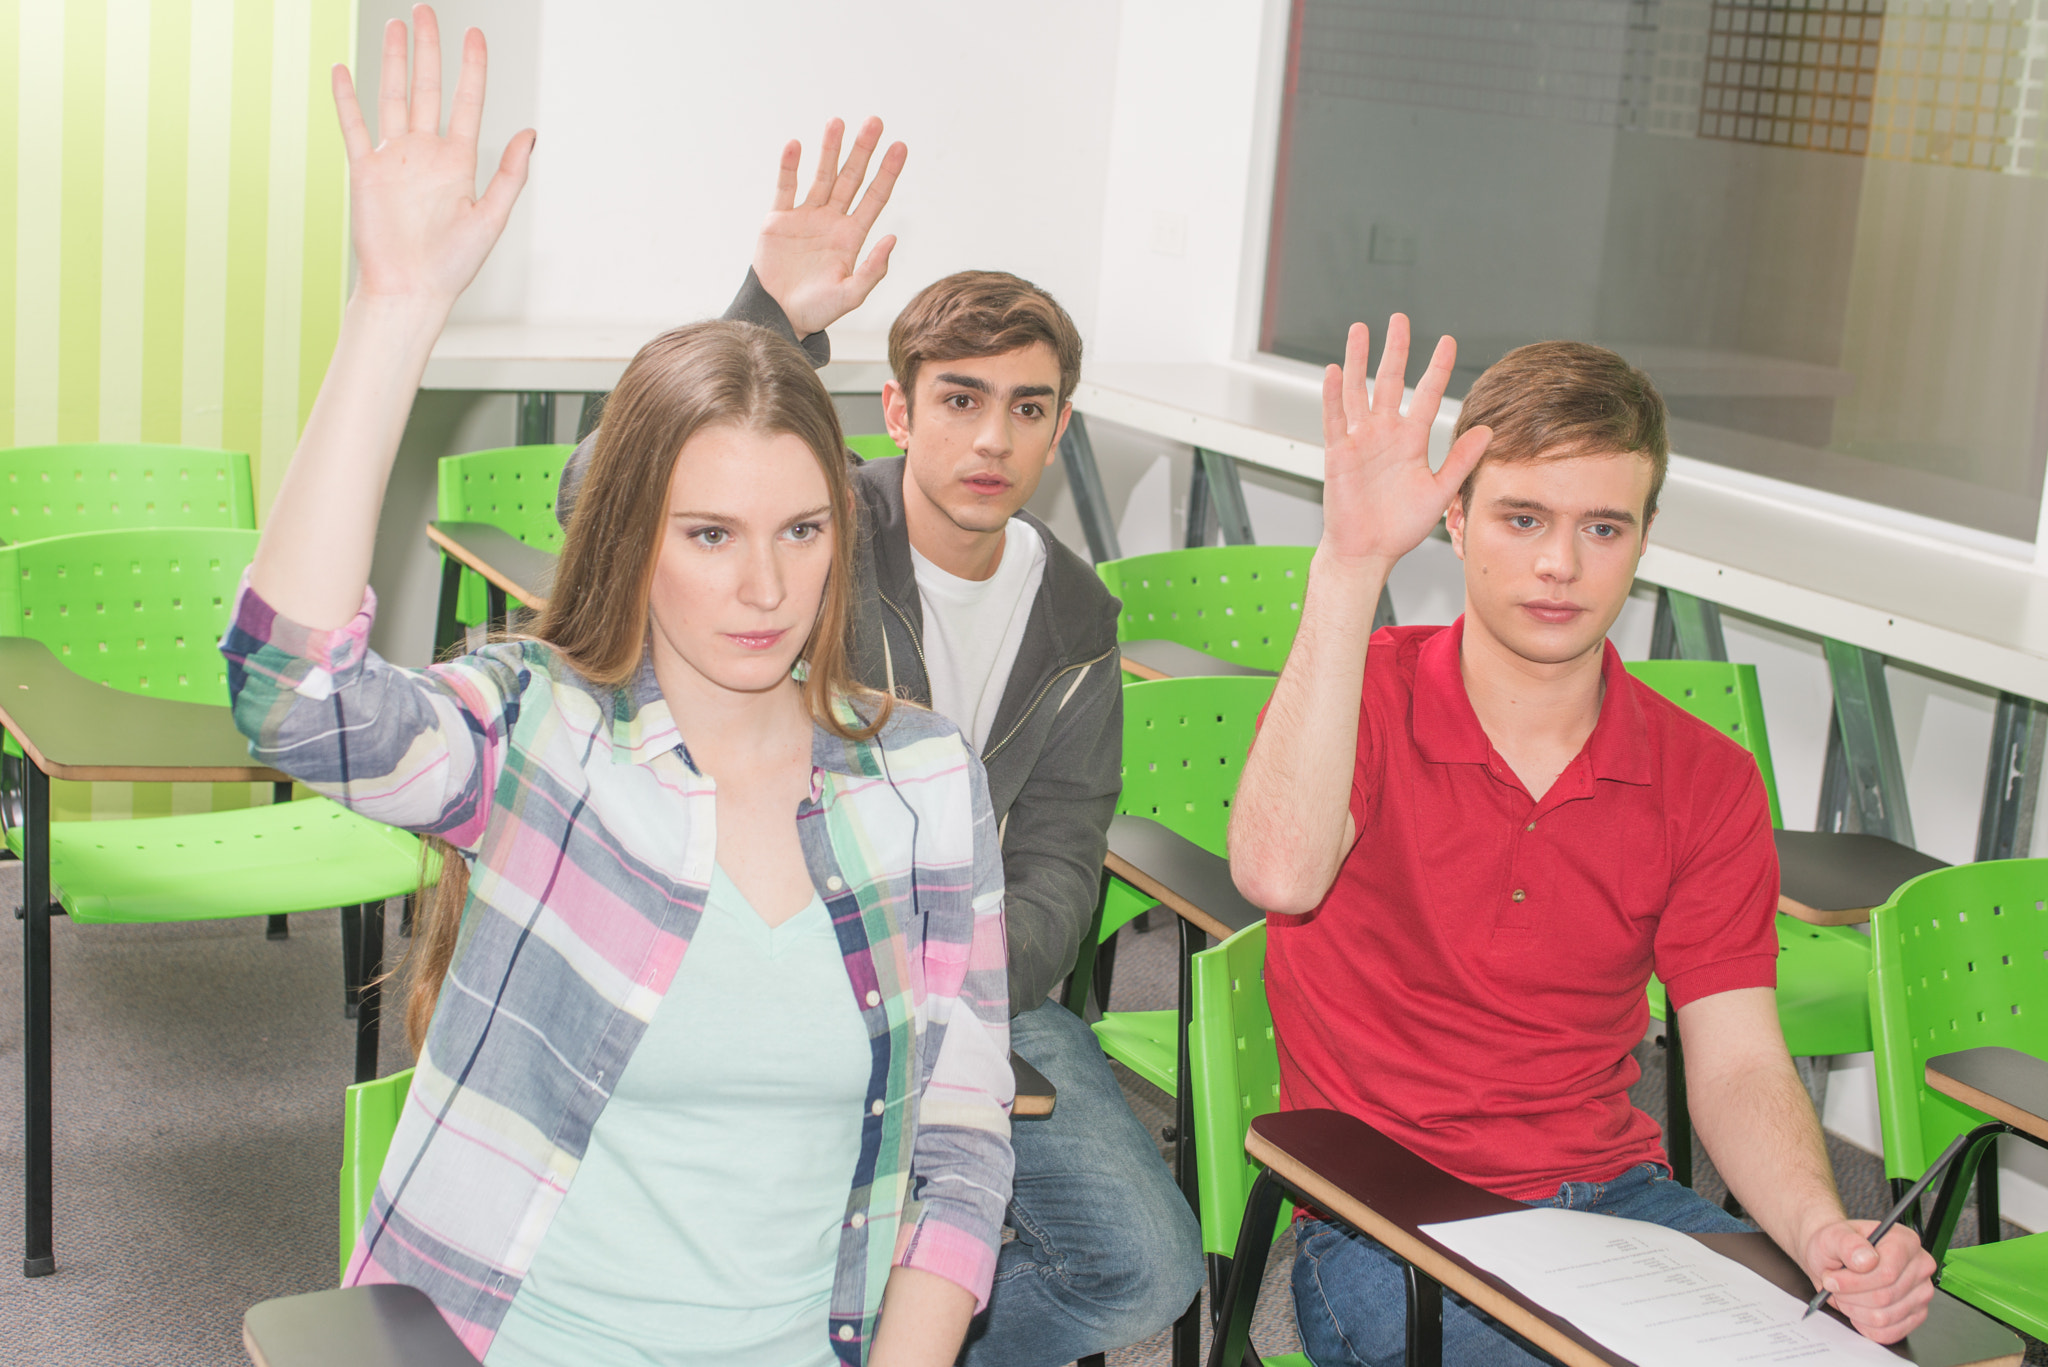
(1652,1295)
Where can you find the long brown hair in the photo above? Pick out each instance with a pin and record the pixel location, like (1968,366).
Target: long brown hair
(700,376)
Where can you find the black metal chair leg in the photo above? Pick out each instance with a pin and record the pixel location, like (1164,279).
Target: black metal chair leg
(498,616)
(1425,1319)
(1982,1145)
(1233,1338)
(1187,1330)
(1105,969)
(405,915)
(1678,1118)
(279,927)
(1987,1198)
(1911,1218)
(370,993)
(40,1257)
(450,636)
(351,959)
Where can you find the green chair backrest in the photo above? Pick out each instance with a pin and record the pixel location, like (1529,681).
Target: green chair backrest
(513,489)
(369,1115)
(1238,603)
(141,611)
(1959,960)
(1235,1066)
(103,486)
(874,446)
(1185,742)
(1725,697)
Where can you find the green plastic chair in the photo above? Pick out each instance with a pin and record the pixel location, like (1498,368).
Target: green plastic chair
(100,486)
(369,1116)
(1185,742)
(1960,960)
(1822,1002)
(513,489)
(1238,603)
(141,611)
(874,446)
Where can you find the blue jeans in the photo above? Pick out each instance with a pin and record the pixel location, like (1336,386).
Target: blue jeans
(1351,1302)
(1107,1251)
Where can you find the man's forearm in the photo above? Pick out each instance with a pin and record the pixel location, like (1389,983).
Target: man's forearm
(1289,820)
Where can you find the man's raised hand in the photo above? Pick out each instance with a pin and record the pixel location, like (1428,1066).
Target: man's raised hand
(1380,497)
(420,230)
(808,254)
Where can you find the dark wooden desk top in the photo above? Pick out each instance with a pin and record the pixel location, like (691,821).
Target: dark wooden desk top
(1035,1095)
(1358,1174)
(2000,1082)
(1191,882)
(1172,660)
(1832,879)
(360,1326)
(74,728)
(521,570)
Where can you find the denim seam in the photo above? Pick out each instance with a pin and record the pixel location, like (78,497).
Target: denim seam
(1316,1275)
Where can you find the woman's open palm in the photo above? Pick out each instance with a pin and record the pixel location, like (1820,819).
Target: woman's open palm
(419,227)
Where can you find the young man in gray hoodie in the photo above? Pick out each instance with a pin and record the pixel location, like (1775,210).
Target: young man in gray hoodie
(968,604)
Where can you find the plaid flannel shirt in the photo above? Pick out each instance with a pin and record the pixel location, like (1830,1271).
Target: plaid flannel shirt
(590,837)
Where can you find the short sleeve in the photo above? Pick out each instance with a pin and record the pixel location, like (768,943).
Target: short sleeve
(1718,930)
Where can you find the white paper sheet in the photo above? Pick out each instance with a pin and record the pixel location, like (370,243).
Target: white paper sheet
(1651,1294)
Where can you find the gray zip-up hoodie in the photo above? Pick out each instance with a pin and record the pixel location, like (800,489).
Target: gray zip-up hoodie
(1055,753)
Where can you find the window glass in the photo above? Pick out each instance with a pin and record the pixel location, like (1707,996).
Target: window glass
(1820,225)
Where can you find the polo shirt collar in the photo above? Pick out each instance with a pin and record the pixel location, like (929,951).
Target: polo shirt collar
(1447,730)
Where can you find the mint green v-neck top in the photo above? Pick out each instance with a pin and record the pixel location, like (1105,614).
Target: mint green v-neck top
(703,1225)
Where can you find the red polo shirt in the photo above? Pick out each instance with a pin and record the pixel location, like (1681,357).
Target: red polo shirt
(1472,984)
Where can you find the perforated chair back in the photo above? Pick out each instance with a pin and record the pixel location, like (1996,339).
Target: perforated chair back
(874,446)
(1959,960)
(513,489)
(1238,603)
(1725,697)
(1185,742)
(369,1117)
(101,486)
(141,611)
(1235,1065)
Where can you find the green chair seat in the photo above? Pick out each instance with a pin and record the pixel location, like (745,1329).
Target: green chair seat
(1144,1042)
(2005,1280)
(294,856)
(369,1116)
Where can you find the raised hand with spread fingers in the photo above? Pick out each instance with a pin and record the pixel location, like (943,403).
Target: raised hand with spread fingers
(420,233)
(808,255)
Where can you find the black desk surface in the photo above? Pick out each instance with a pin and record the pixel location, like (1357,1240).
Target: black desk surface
(1172,660)
(524,571)
(1998,1081)
(1369,1179)
(362,1326)
(77,729)
(1187,879)
(1836,872)
(1035,1095)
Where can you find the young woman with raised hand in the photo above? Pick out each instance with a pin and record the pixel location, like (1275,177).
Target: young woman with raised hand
(718,1067)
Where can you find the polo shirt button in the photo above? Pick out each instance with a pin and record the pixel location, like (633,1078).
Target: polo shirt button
(875,1109)
(874,997)
(835,882)
(859,1218)
(1521,896)
(846,1333)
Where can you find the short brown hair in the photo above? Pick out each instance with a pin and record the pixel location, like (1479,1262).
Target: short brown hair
(981,313)
(1567,399)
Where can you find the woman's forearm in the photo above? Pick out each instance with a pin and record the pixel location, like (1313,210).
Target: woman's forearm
(314,559)
(924,1320)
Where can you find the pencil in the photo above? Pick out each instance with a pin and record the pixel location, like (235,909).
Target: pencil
(1912,1194)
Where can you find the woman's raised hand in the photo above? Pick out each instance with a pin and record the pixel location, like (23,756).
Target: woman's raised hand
(1380,498)
(420,230)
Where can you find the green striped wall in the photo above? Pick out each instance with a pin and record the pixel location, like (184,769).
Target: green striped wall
(173,243)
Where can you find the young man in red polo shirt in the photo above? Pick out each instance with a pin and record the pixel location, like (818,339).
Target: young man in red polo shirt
(1476,843)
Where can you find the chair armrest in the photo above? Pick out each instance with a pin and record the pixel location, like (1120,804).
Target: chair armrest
(2003,1083)
(1172,660)
(1185,878)
(1833,878)
(358,1326)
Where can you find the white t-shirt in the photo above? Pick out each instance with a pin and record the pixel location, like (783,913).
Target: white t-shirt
(972,629)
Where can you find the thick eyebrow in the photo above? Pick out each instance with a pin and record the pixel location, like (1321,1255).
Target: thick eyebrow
(1530,505)
(823,510)
(981,386)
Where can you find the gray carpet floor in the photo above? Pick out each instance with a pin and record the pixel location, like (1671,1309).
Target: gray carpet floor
(199,1072)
